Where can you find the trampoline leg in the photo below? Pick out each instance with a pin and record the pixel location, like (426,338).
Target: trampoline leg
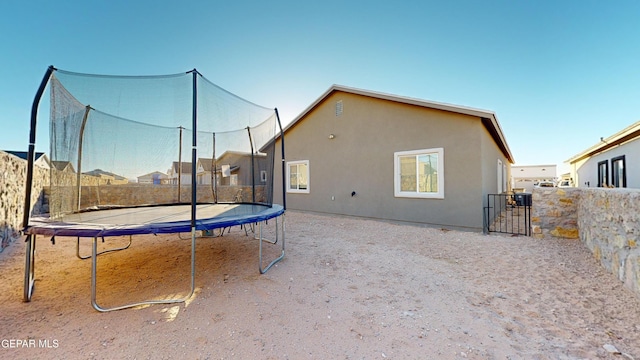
(29,268)
(257,237)
(94,263)
(102,252)
(261,240)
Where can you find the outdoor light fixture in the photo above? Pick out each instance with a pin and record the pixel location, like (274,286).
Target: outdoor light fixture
(331,136)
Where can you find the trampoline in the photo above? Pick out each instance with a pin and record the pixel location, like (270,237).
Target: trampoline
(125,127)
(150,220)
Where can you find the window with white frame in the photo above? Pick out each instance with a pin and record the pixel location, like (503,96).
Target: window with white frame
(298,176)
(263,175)
(501,186)
(419,173)
(505,185)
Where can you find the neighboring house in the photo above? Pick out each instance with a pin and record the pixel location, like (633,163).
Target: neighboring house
(363,153)
(155,178)
(175,172)
(107,177)
(613,162)
(234,168)
(204,171)
(41,159)
(63,166)
(525,177)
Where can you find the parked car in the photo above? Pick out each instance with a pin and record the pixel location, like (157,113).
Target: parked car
(565,183)
(544,184)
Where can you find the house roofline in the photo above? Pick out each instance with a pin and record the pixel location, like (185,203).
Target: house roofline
(234,152)
(531,166)
(627,134)
(489,118)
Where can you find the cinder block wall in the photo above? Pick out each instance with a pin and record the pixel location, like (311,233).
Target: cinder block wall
(13,175)
(607,221)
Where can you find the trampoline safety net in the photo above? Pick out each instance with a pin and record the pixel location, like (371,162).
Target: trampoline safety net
(121,141)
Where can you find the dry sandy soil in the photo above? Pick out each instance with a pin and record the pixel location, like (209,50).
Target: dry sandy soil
(347,289)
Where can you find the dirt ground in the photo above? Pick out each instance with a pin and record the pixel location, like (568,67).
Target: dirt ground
(347,289)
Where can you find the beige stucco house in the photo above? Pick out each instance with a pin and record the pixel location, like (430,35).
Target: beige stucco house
(154,178)
(525,177)
(363,153)
(234,168)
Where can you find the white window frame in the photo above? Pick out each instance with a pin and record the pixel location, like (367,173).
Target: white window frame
(500,177)
(416,194)
(505,183)
(298,191)
(263,176)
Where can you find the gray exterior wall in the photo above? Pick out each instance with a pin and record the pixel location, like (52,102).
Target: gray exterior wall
(360,158)
(489,156)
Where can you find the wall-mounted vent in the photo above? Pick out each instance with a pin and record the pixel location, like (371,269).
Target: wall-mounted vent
(338,107)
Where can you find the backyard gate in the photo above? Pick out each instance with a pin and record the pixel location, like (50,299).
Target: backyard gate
(508,213)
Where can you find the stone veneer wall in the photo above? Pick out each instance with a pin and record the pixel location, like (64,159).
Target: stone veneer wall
(607,221)
(145,194)
(554,212)
(13,175)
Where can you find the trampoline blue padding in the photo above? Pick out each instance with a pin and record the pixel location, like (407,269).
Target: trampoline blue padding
(151,220)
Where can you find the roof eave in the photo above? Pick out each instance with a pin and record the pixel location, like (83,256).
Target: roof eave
(629,133)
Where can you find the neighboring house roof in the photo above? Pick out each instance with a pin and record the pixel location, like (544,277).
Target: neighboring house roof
(186,167)
(628,134)
(24,154)
(238,154)
(533,172)
(207,164)
(489,119)
(99,172)
(41,158)
(149,175)
(63,166)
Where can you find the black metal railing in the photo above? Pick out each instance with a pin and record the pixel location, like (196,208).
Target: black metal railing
(508,213)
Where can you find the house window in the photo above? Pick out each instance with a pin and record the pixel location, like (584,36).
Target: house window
(298,176)
(501,186)
(233,180)
(263,175)
(419,173)
(618,172)
(603,170)
(505,185)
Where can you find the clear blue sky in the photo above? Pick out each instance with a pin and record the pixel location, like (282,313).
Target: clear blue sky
(558,74)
